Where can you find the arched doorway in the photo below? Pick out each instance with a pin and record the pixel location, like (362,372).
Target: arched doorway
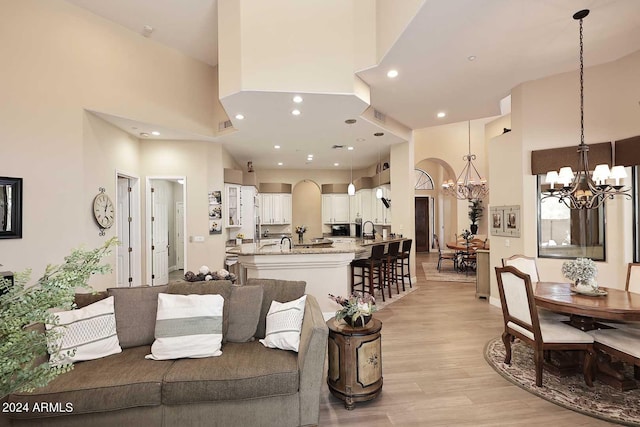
(306,207)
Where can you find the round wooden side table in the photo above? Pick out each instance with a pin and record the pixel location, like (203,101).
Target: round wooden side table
(355,361)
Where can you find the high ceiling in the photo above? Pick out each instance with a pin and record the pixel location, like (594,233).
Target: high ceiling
(512,41)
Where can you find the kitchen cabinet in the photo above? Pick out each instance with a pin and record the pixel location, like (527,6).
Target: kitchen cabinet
(231,206)
(275,208)
(362,205)
(335,208)
(380,214)
(249,210)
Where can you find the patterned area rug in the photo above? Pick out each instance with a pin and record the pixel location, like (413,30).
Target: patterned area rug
(446,273)
(570,392)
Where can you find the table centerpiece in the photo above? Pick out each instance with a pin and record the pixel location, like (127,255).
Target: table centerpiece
(356,310)
(583,272)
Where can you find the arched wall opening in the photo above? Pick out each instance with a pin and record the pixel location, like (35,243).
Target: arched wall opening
(306,207)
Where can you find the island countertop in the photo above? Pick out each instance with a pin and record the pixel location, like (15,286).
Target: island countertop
(276,249)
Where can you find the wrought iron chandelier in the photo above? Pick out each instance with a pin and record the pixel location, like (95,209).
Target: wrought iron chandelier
(584,189)
(469,185)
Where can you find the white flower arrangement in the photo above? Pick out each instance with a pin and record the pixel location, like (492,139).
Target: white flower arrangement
(580,269)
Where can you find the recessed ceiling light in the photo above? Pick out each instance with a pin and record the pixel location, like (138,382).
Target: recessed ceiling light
(441,114)
(471,57)
(336,164)
(155,133)
(147,30)
(276,147)
(350,148)
(280,163)
(297,99)
(310,155)
(239,116)
(144,134)
(392,74)
(295,112)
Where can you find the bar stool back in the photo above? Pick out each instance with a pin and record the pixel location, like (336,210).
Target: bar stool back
(369,268)
(390,263)
(403,260)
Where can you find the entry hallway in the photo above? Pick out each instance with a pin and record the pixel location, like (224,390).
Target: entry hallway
(434,369)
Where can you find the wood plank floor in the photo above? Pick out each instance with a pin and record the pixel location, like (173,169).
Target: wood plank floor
(434,369)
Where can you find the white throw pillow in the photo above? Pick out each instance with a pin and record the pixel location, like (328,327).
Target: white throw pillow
(89,331)
(187,326)
(284,323)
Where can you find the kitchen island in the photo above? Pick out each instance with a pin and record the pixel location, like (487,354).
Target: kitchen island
(325,269)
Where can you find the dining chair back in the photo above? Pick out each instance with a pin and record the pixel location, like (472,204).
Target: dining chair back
(444,255)
(521,321)
(525,264)
(633,278)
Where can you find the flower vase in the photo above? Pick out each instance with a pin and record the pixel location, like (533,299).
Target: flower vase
(359,322)
(300,237)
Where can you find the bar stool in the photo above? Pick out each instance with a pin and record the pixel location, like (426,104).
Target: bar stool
(403,260)
(390,264)
(371,268)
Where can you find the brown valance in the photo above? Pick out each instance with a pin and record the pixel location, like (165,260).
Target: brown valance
(628,151)
(543,161)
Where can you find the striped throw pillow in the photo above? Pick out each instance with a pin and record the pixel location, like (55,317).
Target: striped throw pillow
(284,323)
(87,333)
(187,326)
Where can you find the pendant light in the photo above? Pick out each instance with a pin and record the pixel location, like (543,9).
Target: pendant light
(469,185)
(584,189)
(351,189)
(379,190)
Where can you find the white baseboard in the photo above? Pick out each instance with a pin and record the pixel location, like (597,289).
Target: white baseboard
(173,268)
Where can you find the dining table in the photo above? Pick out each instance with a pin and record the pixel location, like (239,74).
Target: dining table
(466,253)
(586,312)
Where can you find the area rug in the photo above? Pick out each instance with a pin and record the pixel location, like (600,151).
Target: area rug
(570,392)
(395,297)
(446,273)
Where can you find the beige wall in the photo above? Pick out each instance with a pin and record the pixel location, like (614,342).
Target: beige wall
(545,114)
(307,208)
(76,61)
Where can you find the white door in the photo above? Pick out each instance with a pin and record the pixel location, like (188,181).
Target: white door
(123,210)
(340,208)
(180,235)
(159,232)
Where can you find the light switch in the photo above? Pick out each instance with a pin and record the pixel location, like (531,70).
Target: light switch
(507,243)
(198,239)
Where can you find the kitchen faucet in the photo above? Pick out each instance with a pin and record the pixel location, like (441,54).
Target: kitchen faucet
(286,238)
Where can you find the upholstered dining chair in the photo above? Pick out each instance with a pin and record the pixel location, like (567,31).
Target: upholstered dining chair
(622,344)
(521,320)
(444,255)
(633,277)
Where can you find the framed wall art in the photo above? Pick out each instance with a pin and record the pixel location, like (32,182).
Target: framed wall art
(215,212)
(505,221)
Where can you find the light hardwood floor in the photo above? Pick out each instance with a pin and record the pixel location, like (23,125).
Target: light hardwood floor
(434,369)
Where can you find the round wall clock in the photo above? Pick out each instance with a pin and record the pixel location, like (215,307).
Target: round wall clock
(103,211)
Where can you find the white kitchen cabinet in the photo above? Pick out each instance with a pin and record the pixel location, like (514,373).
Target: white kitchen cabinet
(231,206)
(249,210)
(363,205)
(335,208)
(275,208)
(380,214)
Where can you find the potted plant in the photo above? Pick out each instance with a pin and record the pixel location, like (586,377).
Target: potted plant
(475,213)
(356,310)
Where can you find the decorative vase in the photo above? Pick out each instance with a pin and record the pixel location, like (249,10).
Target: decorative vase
(474,228)
(360,322)
(587,285)
(300,236)
(238,241)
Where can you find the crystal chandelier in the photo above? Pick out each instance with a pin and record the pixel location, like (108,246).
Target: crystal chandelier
(469,185)
(585,189)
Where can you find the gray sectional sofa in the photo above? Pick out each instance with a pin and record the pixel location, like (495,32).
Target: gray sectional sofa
(249,385)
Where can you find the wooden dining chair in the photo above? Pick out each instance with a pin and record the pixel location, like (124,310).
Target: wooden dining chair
(442,255)
(521,320)
(622,344)
(633,278)
(525,264)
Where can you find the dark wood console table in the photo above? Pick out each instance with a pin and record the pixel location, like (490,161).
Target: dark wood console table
(355,361)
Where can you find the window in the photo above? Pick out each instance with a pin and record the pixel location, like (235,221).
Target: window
(566,233)
(423,180)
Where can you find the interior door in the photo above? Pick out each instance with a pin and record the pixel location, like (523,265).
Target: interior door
(123,211)
(159,232)
(422,224)
(180,235)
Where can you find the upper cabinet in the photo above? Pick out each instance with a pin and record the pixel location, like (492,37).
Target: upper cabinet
(335,208)
(275,208)
(380,214)
(232,206)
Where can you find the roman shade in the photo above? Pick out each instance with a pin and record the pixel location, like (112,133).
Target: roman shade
(628,151)
(543,161)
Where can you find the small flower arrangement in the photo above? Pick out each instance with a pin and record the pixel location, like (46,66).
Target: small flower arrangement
(355,308)
(301,229)
(466,235)
(580,270)
(239,236)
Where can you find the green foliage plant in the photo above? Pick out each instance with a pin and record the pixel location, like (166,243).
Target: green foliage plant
(475,210)
(24,359)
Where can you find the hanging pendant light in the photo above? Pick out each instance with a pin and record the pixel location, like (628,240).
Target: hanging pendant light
(379,190)
(351,189)
(469,185)
(585,189)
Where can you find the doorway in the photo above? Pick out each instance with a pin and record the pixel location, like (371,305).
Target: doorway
(128,254)
(166,228)
(423,223)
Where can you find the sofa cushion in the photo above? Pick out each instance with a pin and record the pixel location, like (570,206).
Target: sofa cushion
(136,314)
(87,333)
(220,287)
(245,371)
(244,312)
(187,326)
(275,290)
(123,380)
(83,300)
(284,322)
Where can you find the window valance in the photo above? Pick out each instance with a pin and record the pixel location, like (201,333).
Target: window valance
(628,151)
(543,161)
